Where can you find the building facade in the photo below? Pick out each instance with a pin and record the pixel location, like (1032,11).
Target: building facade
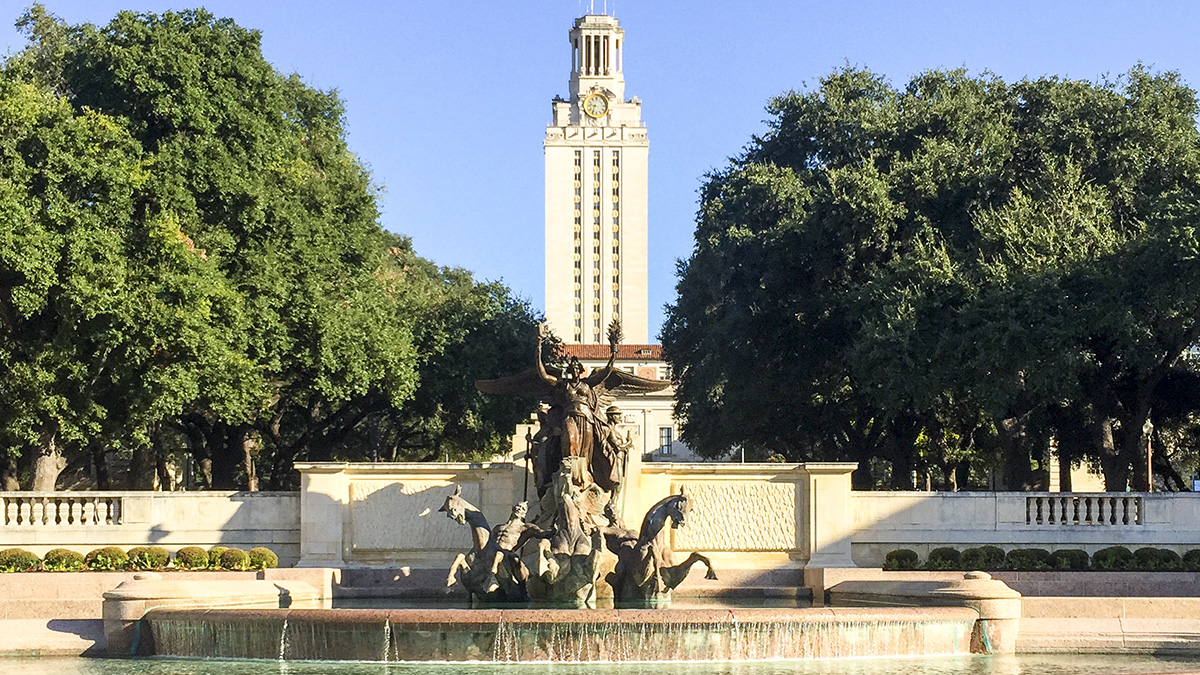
(597,156)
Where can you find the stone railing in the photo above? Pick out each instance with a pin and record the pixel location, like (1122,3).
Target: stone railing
(52,509)
(921,521)
(84,520)
(1084,509)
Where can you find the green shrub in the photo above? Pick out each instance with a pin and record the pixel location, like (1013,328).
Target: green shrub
(1113,558)
(1069,559)
(235,559)
(262,558)
(944,558)
(18,560)
(983,558)
(1027,559)
(191,558)
(148,557)
(1151,559)
(63,560)
(106,559)
(214,556)
(1191,560)
(901,559)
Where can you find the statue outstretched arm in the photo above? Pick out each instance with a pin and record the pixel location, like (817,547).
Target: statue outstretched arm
(614,344)
(541,367)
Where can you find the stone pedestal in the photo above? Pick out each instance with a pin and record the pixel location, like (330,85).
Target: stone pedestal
(999,606)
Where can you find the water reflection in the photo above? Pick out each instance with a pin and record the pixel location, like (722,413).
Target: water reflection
(1072,664)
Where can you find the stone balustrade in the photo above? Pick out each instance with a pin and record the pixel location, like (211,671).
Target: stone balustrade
(84,520)
(1121,510)
(51,509)
(884,521)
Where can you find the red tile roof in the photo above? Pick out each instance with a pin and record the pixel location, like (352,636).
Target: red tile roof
(624,352)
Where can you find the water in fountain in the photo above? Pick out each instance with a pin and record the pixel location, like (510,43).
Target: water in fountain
(594,636)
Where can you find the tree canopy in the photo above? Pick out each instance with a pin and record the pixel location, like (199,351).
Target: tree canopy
(947,276)
(191,262)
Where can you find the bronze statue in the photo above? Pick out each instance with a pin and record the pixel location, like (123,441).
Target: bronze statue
(578,427)
(645,571)
(492,571)
(579,466)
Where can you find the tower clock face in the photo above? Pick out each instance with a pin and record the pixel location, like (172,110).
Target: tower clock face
(595,105)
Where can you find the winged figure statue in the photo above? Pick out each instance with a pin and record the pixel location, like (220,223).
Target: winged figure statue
(576,424)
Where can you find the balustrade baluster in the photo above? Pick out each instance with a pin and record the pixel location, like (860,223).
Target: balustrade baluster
(102,512)
(10,512)
(89,512)
(39,512)
(76,512)
(26,513)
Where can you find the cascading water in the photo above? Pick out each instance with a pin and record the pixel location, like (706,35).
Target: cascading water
(283,641)
(563,635)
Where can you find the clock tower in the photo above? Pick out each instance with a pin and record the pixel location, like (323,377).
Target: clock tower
(596,194)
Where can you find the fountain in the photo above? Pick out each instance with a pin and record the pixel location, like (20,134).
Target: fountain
(556,559)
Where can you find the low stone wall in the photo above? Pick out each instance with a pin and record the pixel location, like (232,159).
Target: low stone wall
(760,517)
(884,521)
(82,521)
(80,595)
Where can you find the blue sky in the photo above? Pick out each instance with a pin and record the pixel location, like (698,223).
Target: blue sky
(447,102)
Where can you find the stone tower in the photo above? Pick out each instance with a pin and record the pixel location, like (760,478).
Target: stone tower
(596,194)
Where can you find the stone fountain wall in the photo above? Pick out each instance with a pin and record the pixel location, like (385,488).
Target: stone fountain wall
(749,517)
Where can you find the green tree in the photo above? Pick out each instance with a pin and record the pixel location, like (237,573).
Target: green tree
(963,256)
(191,262)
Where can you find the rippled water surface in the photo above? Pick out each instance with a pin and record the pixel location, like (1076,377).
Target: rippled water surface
(953,665)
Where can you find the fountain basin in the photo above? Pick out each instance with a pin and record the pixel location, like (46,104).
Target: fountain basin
(551,635)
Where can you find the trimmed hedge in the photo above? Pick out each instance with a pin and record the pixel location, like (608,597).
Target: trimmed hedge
(235,559)
(191,558)
(148,557)
(1069,559)
(1150,559)
(18,560)
(262,558)
(983,558)
(1113,558)
(1191,560)
(901,559)
(107,558)
(944,558)
(1027,559)
(63,560)
(214,557)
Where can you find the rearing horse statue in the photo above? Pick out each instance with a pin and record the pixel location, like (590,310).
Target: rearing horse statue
(645,571)
(491,572)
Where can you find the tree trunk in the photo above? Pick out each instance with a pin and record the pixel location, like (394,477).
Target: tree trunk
(99,456)
(1064,474)
(248,448)
(1012,437)
(962,475)
(8,472)
(226,457)
(1114,467)
(141,469)
(49,462)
